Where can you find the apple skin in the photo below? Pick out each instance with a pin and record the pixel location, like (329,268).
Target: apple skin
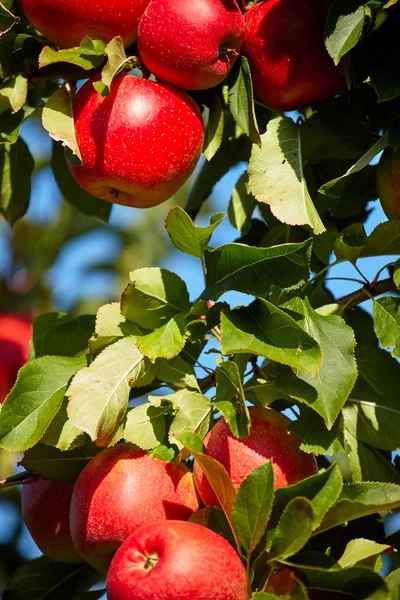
(45,510)
(139,144)
(216,27)
(175,559)
(269,438)
(118,491)
(15,335)
(388,183)
(65,24)
(284,43)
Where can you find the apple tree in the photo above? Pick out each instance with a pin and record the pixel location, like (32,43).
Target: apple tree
(305,96)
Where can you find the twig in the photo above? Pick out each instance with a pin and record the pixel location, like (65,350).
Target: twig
(15,480)
(367,292)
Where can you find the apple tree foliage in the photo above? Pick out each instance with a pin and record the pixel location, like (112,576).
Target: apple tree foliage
(134,370)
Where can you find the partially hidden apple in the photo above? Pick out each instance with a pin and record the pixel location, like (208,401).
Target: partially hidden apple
(121,489)
(45,510)
(269,439)
(65,24)
(284,43)
(192,46)
(175,560)
(15,335)
(139,144)
(388,183)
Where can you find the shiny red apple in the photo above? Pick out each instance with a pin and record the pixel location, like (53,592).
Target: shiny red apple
(284,43)
(66,23)
(121,489)
(175,560)
(45,510)
(388,183)
(139,144)
(269,439)
(15,335)
(191,45)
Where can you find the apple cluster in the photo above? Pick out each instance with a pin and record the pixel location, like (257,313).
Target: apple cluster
(139,144)
(135,517)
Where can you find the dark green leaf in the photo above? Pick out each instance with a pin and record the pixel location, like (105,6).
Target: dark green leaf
(344,27)
(215,128)
(61,334)
(16,167)
(241,205)
(293,530)
(386,313)
(230,399)
(241,99)
(52,463)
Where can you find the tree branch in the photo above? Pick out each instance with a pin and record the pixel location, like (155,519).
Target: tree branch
(365,293)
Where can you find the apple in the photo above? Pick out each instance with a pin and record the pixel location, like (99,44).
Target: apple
(15,335)
(45,511)
(192,48)
(284,43)
(388,183)
(119,490)
(65,24)
(269,439)
(139,144)
(176,560)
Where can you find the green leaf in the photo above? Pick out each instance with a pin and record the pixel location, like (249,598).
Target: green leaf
(98,395)
(255,270)
(241,205)
(253,505)
(89,55)
(264,329)
(165,342)
(241,99)
(62,434)
(384,240)
(358,551)
(263,596)
(61,334)
(52,463)
(344,28)
(350,243)
(110,327)
(35,400)
(393,582)
(115,53)
(192,414)
(214,518)
(293,531)
(230,399)
(359,500)
(338,373)
(146,426)
(72,192)
(215,128)
(185,235)
(386,314)
(16,168)
(11,123)
(58,120)
(311,428)
(177,372)
(153,297)
(276,175)
(14,92)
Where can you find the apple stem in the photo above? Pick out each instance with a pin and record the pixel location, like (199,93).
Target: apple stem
(15,480)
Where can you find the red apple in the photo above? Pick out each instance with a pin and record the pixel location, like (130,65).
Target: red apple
(174,560)
(139,144)
(67,23)
(388,183)
(45,511)
(118,491)
(191,46)
(284,43)
(269,438)
(15,335)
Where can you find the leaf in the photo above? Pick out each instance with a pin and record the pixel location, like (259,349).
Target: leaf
(241,99)
(61,334)
(177,372)
(386,314)
(88,55)
(311,428)
(338,373)
(62,434)
(264,329)
(98,395)
(230,399)
(192,414)
(215,128)
(253,505)
(263,596)
(16,168)
(393,582)
(255,271)
(52,463)
(241,205)
(7,18)
(110,327)
(58,120)
(293,531)
(276,175)
(11,123)
(115,53)
(214,518)
(165,342)
(153,297)
(350,243)
(344,27)
(359,500)
(146,426)
(358,551)
(35,400)
(188,237)
(15,91)
(384,240)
